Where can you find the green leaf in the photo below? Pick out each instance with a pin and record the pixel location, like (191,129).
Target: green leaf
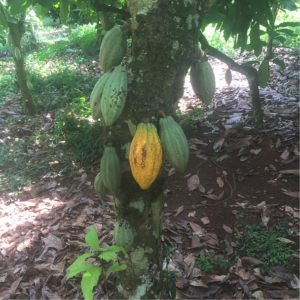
(172,287)
(108,255)
(41,11)
(79,269)
(286,31)
(80,260)
(92,239)
(255,39)
(64,10)
(280,38)
(280,63)
(89,281)
(7,15)
(285,24)
(3,20)
(115,268)
(115,249)
(263,74)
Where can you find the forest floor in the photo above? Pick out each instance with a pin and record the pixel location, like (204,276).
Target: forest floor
(238,177)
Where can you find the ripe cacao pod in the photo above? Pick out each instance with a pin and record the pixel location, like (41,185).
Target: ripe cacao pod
(29,85)
(203,81)
(228,76)
(9,40)
(113,48)
(145,155)
(123,234)
(111,172)
(174,143)
(99,186)
(95,98)
(18,54)
(114,95)
(106,21)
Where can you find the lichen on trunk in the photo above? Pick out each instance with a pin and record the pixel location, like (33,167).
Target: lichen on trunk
(164,43)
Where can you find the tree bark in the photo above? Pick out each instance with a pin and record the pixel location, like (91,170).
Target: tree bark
(250,73)
(164,43)
(16,31)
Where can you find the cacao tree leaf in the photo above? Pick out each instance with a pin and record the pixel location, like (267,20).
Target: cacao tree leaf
(255,39)
(79,261)
(263,74)
(3,20)
(108,255)
(92,239)
(281,39)
(115,249)
(288,4)
(79,269)
(64,10)
(115,268)
(16,6)
(41,11)
(89,281)
(285,24)
(286,31)
(280,63)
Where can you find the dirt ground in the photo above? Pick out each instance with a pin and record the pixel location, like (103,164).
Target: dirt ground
(236,172)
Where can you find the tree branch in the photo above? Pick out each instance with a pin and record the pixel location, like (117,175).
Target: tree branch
(102,7)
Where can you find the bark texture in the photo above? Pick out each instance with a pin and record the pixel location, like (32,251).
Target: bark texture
(250,73)
(164,42)
(16,31)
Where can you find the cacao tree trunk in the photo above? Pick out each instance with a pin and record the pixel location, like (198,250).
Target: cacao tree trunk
(164,43)
(16,31)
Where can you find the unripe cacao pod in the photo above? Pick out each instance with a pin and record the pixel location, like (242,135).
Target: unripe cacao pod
(114,95)
(203,81)
(9,40)
(99,186)
(111,171)
(113,48)
(228,76)
(95,98)
(29,85)
(106,21)
(123,234)
(145,155)
(174,143)
(18,54)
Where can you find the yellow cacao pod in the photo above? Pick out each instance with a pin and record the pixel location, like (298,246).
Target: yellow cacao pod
(145,155)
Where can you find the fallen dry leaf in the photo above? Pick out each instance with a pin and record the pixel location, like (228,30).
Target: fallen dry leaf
(285,154)
(227,228)
(179,210)
(205,220)
(192,214)
(292,194)
(220,182)
(284,240)
(295,172)
(193,182)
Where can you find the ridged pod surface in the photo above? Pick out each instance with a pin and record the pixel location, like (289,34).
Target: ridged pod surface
(174,143)
(18,54)
(113,48)
(203,81)
(123,234)
(111,172)
(145,155)
(228,76)
(99,186)
(114,95)
(95,98)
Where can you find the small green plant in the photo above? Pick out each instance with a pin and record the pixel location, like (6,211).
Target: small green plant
(261,242)
(206,264)
(92,273)
(169,274)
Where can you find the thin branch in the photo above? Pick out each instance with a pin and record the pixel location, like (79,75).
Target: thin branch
(102,7)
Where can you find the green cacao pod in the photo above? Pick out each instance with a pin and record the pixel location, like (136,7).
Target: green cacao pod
(203,81)
(106,21)
(113,48)
(29,85)
(174,143)
(99,186)
(95,98)
(9,40)
(123,234)
(18,54)
(111,171)
(114,95)
(228,76)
